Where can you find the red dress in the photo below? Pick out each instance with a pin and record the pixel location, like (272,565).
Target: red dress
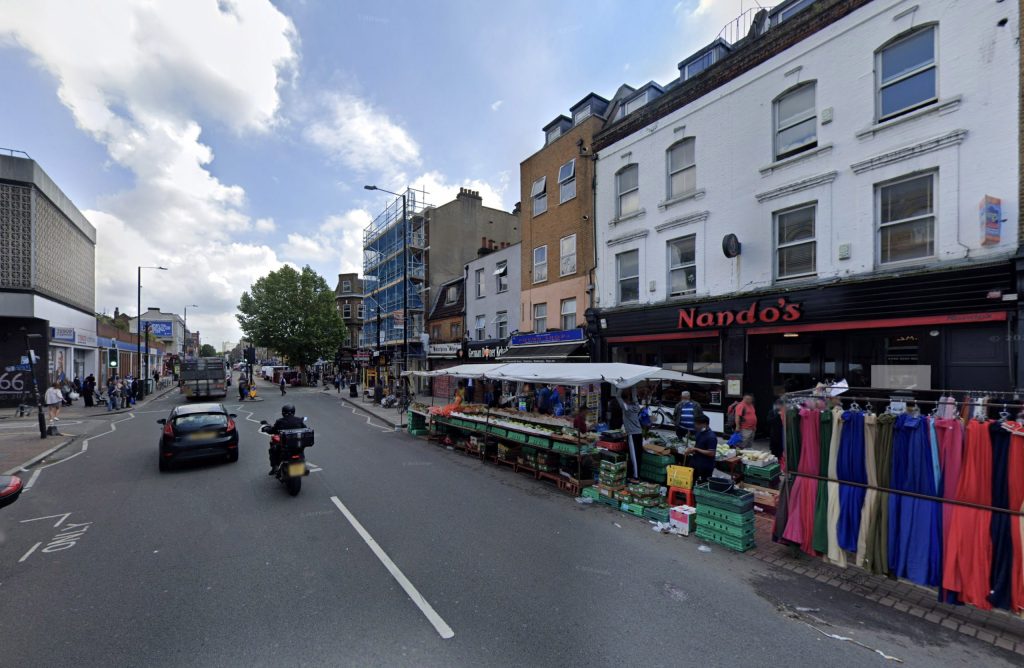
(968,553)
(1015,471)
(800,524)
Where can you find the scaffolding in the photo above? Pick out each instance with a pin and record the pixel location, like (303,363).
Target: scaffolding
(386,279)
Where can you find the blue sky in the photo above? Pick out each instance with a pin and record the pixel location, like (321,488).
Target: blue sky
(224,138)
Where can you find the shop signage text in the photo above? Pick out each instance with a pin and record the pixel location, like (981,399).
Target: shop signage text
(446,349)
(548,337)
(755,314)
(62,334)
(487,352)
(161,329)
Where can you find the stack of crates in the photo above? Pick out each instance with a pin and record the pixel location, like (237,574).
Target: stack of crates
(416,423)
(652,467)
(726,518)
(612,474)
(764,476)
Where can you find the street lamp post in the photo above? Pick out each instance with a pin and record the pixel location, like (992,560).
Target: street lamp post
(405,275)
(138,325)
(35,384)
(185,346)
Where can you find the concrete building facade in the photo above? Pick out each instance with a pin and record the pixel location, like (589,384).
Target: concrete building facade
(493,282)
(348,296)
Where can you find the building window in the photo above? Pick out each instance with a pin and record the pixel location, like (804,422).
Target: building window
(360,311)
(568,312)
(346,311)
(567,255)
(479,282)
(501,324)
(540,318)
(795,247)
(906,219)
(906,74)
(581,115)
(697,66)
(796,122)
(567,181)
(502,275)
(792,9)
(451,294)
(635,103)
(682,168)
(539,193)
(481,327)
(456,330)
(682,266)
(346,286)
(553,134)
(627,272)
(435,332)
(628,188)
(540,264)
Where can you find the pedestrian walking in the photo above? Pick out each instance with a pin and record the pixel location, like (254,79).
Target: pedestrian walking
(88,389)
(337,383)
(746,420)
(282,387)
(243,388)
(135,390)
(53,399)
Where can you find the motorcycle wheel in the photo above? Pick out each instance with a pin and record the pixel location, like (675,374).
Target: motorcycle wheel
(294,485)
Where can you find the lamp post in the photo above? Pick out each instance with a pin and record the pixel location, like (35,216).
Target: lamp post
(185,346)
(35,384)
(138,324)
(405,275)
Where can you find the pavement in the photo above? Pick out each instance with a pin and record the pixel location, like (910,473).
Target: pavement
(397,552)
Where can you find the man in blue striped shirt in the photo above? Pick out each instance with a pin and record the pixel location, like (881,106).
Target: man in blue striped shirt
(685,415)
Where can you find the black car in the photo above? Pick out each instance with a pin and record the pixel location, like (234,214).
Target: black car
(198,431)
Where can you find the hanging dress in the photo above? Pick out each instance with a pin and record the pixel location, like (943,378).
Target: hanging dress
(1000,583)
(916,525)
(1015,472)
(791,434)
(835,553)
(821,503)
(968,553)
(800,525)
(868,510)
(850,466)
(950,434)
(876,559)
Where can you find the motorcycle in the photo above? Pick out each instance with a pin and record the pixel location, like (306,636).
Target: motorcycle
(291,443)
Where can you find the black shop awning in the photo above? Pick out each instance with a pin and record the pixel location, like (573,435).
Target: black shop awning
(561,352)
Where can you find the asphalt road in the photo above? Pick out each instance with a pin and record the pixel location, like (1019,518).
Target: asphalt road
(215,565)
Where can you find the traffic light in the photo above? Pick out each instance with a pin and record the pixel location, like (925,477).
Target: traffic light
(112,357)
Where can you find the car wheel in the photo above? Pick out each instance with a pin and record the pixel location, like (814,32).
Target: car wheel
(233,456)
(164,464)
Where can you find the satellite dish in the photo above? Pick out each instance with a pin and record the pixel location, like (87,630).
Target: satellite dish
(731,245)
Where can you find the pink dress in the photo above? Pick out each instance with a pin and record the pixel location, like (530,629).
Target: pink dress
(804,494)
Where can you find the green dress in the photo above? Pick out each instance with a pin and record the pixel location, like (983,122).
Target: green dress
(876,546)
(820,540)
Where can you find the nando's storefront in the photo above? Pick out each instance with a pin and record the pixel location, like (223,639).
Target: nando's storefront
(945,329)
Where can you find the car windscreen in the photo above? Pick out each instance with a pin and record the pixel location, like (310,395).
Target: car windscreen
(197,421)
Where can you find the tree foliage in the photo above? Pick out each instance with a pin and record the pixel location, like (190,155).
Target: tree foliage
(293,313)
(206,350)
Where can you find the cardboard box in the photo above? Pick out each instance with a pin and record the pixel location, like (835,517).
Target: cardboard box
(682,518)
(765,498)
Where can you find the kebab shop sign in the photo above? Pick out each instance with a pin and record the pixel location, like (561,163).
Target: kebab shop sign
(769,313)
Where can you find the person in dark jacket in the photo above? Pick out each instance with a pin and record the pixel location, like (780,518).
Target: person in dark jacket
(288,420)
(702,454)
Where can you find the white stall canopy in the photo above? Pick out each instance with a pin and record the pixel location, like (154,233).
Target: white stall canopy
(618,374)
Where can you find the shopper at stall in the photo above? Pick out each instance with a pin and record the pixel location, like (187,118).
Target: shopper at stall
(702,455)
(746,421)
(685,415)
(580,421)
(634,432)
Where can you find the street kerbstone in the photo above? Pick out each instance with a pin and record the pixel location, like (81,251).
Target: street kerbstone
(950,624)
(1005,643)
(935,617)
(968,630)
(986,636)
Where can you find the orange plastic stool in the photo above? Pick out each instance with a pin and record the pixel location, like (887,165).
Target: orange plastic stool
(675,492)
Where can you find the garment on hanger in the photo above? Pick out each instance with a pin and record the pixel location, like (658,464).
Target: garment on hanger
(820,542)
(868,509)
(950,434)
(968,549)
(915,532)
(1015,473)
(835,553)
(792,439)
(850,466)
(947,408)
(876,559)
(800,525)
(1000,583)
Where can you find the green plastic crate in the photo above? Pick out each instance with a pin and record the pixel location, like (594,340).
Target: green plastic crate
(539,441)
(517,436)
(590,493)
(632,509)
(735,544)
(727,516)
(419,432)
(565,448)
(766,472)
(500,432)
(656,513)
(734,500)
(725,527)
(647,459)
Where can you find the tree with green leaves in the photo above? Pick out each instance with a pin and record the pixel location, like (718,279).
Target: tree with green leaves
(293,313)
(206,350)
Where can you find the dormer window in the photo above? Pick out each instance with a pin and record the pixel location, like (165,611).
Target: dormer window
(581,115)
(451,295)
(636,103)
(699,65)
(553,134)
(346,287)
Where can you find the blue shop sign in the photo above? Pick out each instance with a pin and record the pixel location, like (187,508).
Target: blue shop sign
(62,334)
(161,329)
(565,336)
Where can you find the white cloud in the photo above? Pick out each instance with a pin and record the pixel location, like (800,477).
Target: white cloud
(441,191)
(137,77)
(496,104)
(361,137)
(265,225)
(339,237)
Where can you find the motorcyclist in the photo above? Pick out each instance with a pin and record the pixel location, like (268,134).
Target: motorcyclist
(288,420)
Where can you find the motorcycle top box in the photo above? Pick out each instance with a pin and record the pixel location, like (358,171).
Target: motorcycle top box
(296,438)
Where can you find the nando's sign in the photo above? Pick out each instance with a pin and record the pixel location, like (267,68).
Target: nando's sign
(780,310)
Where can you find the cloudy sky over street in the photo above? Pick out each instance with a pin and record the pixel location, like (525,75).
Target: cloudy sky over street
(224,138)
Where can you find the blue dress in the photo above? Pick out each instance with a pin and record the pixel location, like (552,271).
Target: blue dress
(850,465)
(915,525)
